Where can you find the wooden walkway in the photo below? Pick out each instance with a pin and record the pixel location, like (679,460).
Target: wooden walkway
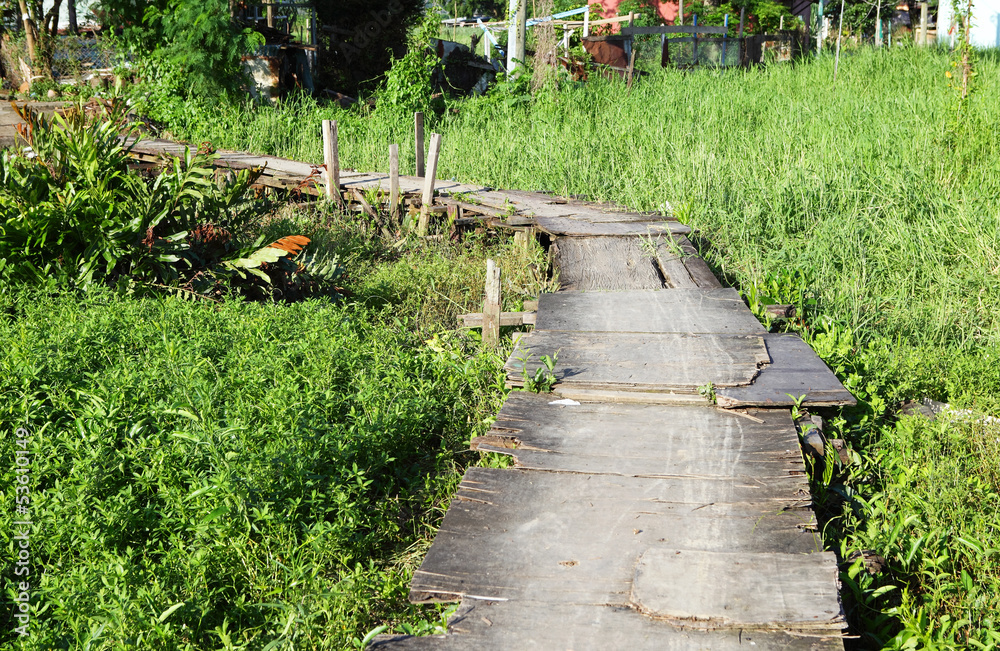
(638,514)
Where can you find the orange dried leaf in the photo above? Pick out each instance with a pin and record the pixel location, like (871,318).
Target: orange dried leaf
(293,243)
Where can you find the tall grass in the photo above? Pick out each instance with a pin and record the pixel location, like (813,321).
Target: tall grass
(873,196)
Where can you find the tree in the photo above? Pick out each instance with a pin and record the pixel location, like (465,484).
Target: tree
(199,38)
(40,31)
(361,39)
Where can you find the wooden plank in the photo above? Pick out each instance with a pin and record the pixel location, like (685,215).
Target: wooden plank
(331,159)
(639,361)
(565,537)
(418,141)
(718,311)
(507,319)
(699,271)
(643,440)
(507,625)
(672,29)
(605,263)
(581,228)
(491,305)
(394,181)
(739,590)
(795,371)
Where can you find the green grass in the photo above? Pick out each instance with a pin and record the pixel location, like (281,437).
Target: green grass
(871,200)
(273,470)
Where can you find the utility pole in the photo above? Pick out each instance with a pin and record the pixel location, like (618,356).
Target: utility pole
(516,33)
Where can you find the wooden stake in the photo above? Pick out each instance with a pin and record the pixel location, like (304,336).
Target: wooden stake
(428,198)
(631,66)
(923,23)
(270,15)
(331,159)
(586,23)
(418,128)
(394,181)
(491,306)
(840,33)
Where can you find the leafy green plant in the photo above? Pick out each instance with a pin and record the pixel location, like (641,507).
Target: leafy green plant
(77,216)
(543,379)
(707,391)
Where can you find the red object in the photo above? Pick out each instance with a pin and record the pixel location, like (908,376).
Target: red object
(666,10)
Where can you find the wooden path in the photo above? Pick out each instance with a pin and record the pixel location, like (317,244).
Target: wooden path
(638,514)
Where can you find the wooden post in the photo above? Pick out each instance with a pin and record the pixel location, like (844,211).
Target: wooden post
(781,23)
(923,23)
(694,56)
(394,181)
(725,24)
(491,306)
(270,15)
(631,67)
(418,129)
(680,12)
(516,33)
(819,29)
(840,33)
(878,24)
(743,15)
(428,198)
(586,22)
(331,160)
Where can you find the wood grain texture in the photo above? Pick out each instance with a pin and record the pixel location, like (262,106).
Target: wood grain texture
(528,625)
(739,590)
(605,263)
(643,440)
(576,538)
(795,371)
(716,311)
(577,227)
(640,362)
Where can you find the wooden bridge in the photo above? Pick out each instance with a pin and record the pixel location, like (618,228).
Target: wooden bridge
(658,498)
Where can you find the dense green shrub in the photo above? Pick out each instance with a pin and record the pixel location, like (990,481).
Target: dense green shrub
(266,468)
(75,215)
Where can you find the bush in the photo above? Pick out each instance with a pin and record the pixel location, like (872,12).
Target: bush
(76,216)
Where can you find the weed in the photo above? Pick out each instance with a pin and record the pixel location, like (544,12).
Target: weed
(544,378)
(708,392)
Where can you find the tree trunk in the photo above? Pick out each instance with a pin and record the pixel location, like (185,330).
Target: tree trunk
(29,32)
(71,8)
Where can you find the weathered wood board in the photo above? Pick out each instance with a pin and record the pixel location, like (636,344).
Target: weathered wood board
(643,440)
(622,263)
(640,362)
(528,625)
(536,204)
(581,228)
(576,538)
(667,368)
(696,311)
(795,371)
(739,590)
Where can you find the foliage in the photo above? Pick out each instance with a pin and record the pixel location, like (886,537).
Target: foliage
(367,36)
(76,216)
(199,39)
(544,378)
(408,85)
(229,476)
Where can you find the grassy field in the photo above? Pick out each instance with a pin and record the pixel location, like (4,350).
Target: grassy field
(871,203)
(238,475)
